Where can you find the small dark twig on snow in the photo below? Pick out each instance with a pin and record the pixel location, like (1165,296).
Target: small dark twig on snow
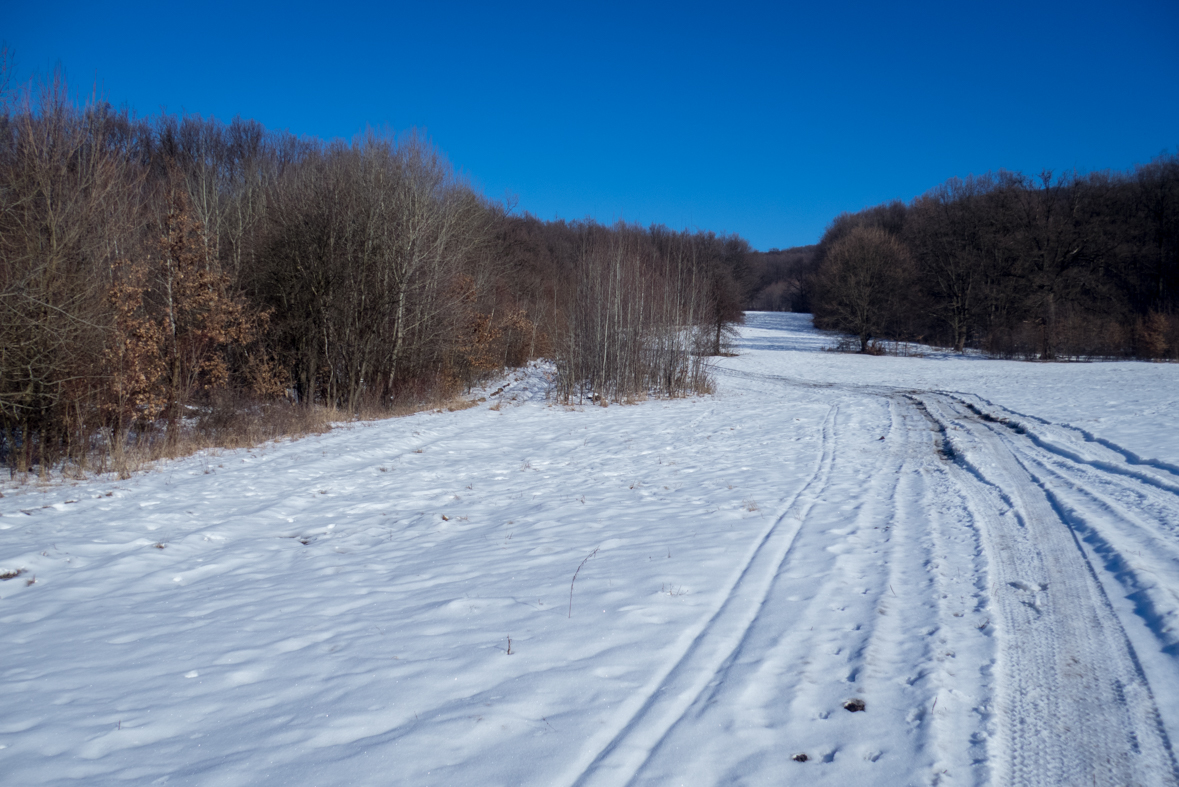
(575,573)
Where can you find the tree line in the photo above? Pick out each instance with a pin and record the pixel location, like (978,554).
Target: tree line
(1051,267)
(165,275)
(779,280)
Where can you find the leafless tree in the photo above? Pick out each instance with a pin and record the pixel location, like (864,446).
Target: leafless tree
(863,280)
(67,204)
(947,232)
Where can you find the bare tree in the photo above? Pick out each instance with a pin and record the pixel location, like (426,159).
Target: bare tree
(639,311)
(946,230)
(368,267)
(1055,243)
(67,200)
(863,279)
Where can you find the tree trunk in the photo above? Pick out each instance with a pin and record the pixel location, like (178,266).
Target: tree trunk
(1048,351)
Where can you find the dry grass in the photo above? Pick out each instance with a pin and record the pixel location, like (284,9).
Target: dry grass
(224,423)
(218,427)
(458,403)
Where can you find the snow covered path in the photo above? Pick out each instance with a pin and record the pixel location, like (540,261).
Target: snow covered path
(990,568)
(1073,702)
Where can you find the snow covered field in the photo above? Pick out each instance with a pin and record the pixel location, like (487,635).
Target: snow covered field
(984,553)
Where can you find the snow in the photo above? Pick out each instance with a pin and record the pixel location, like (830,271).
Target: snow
(1131,403)
(985,552)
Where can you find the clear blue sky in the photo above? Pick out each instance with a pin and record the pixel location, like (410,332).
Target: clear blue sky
(765,120)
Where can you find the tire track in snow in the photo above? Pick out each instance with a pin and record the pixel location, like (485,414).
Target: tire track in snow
(814,644)
(810,646)
(964,648)
(1130,530)
(1073,705)
(1154,473)
(930,644)
(1125,455)
(928,614)
(1070,673)
(613,757)
(1128,540)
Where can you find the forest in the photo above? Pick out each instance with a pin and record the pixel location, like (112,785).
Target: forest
(178,281)
(1053,267)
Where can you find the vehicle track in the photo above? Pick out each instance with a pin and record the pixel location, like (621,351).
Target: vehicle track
(964,645)
(612,758)
(1010,541)
(827,632)
(836,626)
(827,624)
(1129,528)
(1073,704)
(1122,455)
(1131,534)
(1116,460)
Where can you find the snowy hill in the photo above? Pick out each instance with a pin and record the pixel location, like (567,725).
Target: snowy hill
(983,555)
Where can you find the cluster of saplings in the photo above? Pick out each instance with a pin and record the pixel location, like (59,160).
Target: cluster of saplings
(177,276)
(1049,268)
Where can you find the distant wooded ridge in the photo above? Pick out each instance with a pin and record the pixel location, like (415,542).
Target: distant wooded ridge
(778,280)
(1056,266)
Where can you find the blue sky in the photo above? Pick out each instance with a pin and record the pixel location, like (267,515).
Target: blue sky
(765,120)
